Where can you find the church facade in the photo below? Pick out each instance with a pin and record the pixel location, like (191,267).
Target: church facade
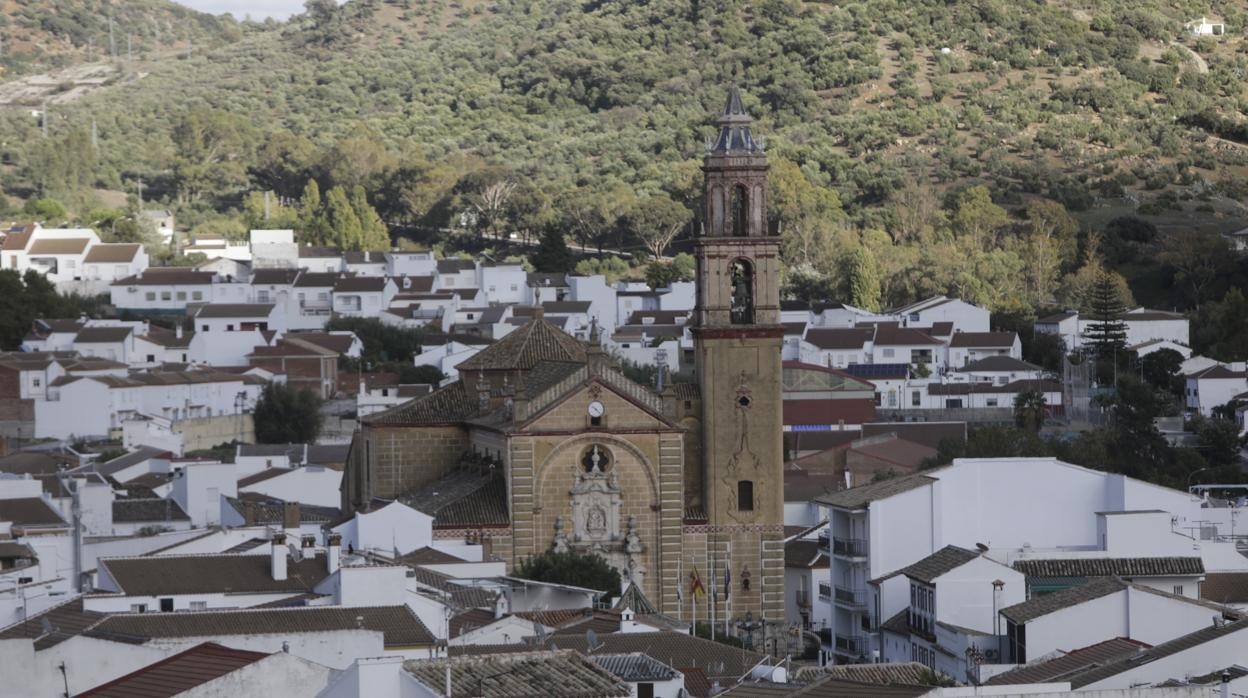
(543,443)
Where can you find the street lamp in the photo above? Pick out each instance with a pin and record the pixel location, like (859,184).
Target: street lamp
(1193,474)
(748,625)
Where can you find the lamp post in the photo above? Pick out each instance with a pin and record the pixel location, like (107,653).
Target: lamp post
(748,625)
(1193,474)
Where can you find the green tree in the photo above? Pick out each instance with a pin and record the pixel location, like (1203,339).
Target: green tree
(863,275)
(656,221)
(1106,333)
(346,231)
(975,217)
(287,415)
(313,227)
(1219,330)
(587,570)
(552,255)
(265,211)
(48,211)
(210,153)
(1161,370)
(1029,410)
(374,234)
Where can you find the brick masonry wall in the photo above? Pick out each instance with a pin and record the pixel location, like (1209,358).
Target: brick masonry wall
(401,459)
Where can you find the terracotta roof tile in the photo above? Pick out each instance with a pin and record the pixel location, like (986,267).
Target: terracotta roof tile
(177,674)
(549,674)
(525,347)
(112,253)
(400,627)
(200,574)
(58,246)
(1110,567)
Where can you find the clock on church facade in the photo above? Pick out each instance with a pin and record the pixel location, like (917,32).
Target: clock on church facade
(543,443)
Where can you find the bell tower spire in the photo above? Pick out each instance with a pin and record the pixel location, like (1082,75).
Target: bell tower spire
(737,339)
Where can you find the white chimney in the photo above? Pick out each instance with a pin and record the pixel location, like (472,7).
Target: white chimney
(1226,684)
(333,551)
(177,329)
(279,556)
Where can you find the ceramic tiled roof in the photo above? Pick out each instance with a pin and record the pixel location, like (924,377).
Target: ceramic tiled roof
(938,563)
(201,574)
(449,405)
(1058,668)
(29,511)
(904,673)
(1180,644)
(982,339)
(179,673)
(860,497)
(634,667)
(525,347)
(102,335)
(547,674)
(63,622)
(399,626)
(112,253)
(58,246)
(154,510)
(1107,567)
(838,338)
(804,554)
(235,310)
(1045,604)
(718,660)
(463,497)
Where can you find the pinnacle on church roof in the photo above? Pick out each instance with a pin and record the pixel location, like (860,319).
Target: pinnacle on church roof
(734,128)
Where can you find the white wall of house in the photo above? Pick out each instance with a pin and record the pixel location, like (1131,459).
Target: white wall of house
(1205,394)
(964,595)
(88,663)
(383,530)
(307,485)
(199,490)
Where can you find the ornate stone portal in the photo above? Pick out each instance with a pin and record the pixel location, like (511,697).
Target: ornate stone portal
(596,499)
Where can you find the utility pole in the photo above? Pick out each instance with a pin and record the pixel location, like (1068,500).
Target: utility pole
(95,135)
(68,483)
(266,205)
(129,47)
(44,115)
(112,42)
(139,183)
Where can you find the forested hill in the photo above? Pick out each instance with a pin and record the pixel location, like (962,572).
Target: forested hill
(878,114)
(43,35)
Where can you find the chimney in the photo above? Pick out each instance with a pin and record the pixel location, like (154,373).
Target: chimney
(279,556)
(1225,690)
(249,513)
(333,551)
(290,515)
(308,543)
(177,329)
(487,549)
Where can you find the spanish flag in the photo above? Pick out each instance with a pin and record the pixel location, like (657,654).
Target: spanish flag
(695,584)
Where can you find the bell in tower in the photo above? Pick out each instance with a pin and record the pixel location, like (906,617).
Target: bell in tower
(737,340)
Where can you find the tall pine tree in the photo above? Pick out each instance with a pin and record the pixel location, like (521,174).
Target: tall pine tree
(552,255)
(864,279)
(374,234)
(312,227)
(344,226)
(1106,333)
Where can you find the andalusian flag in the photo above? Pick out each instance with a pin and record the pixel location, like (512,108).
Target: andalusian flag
(695,584)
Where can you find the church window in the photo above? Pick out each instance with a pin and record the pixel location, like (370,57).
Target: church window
(745,495)
(743,401)
(740,211)
(742,308)
(596,458)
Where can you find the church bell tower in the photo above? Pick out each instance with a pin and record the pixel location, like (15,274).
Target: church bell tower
(737,337)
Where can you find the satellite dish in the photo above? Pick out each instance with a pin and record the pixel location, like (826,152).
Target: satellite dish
(591,640)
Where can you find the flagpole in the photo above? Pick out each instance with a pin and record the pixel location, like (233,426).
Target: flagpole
(727,587)
(714,585)
(680,595)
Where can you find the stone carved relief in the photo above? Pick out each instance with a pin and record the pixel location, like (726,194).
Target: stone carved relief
(596,498)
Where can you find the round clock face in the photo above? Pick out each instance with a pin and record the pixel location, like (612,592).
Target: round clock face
(596,409)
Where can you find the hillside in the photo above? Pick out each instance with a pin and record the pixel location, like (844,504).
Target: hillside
(875,112)
(46,35)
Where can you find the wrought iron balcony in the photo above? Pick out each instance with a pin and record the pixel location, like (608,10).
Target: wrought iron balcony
(850,598)
(849,547)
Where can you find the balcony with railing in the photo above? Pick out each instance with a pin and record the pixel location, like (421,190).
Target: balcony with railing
(851,644)
(850,598)
(825,591)
(849,547)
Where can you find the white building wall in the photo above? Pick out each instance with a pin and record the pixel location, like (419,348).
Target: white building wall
(308,485)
